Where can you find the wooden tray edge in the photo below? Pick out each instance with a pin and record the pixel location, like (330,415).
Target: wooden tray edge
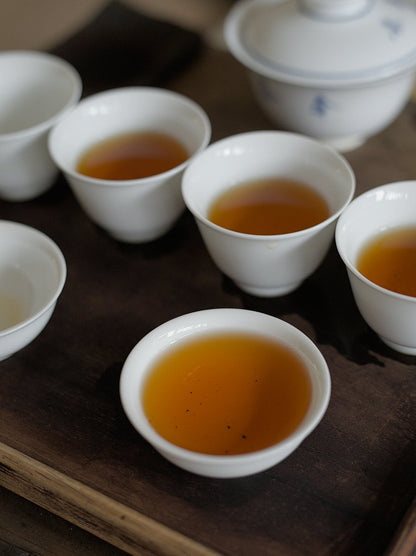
(91,510)
(404,542)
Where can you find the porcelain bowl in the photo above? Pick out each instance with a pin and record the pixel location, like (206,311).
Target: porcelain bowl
(32,276)
(194,325)
(391,315)
(342,111)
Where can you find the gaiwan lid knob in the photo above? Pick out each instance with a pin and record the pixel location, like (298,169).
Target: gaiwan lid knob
(324,42)
(334,10)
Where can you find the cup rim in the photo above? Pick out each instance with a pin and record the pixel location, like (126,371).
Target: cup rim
(149,180)
(60,259)
(339,237)
(138,418)
(76,93)
(267,237)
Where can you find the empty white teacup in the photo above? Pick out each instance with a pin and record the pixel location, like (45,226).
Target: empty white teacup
(130,210)
(36,91)
(32,276)
(267,265)
(388,207)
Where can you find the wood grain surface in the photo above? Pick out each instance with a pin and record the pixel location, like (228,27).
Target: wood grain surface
(404,541)
(67,445)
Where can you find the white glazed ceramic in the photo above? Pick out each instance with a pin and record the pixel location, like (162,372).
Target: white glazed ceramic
(338,70)
(269,265)
(137,210)
(149,348)
(32,276)
(36,90)
(391,315)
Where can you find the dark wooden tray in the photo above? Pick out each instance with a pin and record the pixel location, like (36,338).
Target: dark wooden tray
(66,444)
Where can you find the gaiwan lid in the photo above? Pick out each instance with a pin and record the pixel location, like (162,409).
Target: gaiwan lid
(324,42)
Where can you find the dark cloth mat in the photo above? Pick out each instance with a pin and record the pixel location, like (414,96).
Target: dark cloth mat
(122,47)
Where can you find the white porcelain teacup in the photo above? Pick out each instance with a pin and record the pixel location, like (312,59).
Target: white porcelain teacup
(391,315)
(37,89)
(32,276)
(267,265)
(131,210)
(203,324)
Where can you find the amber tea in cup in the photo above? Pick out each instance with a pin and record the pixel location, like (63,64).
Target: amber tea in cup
(227,394)
(269,206)
(389,260)
(132,156)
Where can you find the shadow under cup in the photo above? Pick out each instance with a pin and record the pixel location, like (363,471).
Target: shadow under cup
(267,265)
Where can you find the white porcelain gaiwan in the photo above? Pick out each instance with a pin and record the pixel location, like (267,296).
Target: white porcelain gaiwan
(195,325)
(391,315)
(338,70)
(32,276)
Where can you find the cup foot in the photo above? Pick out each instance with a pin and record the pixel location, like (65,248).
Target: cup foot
(407,350)
(346,144)
(137,237)
(268,291)
(21,193)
